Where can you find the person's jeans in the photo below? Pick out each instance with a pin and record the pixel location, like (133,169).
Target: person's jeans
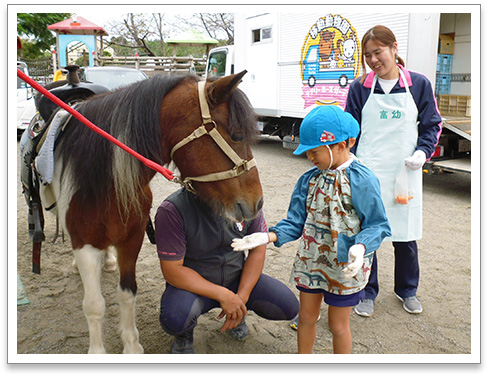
(270,299)
(407,272)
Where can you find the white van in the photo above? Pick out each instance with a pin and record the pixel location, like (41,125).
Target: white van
(26,108)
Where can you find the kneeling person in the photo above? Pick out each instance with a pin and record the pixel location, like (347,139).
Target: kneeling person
(203,272)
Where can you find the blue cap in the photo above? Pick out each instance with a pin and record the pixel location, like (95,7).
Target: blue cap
(326,125)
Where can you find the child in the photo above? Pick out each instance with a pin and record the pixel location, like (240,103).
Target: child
(336,209)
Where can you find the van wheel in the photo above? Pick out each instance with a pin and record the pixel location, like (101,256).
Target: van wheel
(343,81)
(311,81)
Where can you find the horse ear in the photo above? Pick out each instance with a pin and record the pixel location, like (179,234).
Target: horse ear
(218,91)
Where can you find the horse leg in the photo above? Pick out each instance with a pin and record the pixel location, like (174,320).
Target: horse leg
(110,260)
(127,255)
(129,332)
(89,262)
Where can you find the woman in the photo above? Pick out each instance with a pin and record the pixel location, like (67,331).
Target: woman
(400,127)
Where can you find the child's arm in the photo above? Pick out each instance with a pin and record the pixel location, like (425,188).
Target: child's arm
(287,229)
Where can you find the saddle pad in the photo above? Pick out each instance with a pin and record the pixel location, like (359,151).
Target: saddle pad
(44,161)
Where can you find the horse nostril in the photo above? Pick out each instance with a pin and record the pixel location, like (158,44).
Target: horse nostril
(259,205)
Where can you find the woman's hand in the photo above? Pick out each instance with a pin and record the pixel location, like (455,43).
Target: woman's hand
(416,161)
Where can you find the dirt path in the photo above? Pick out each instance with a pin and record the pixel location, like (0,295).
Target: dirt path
(53,322)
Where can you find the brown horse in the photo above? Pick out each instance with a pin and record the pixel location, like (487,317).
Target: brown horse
(102,193)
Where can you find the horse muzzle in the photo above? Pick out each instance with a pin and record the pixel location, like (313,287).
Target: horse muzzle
(242,211)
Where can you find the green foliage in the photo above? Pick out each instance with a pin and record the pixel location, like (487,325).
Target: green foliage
(33,29)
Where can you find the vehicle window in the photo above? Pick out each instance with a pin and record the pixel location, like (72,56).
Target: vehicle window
(313,56)
(217,64)
(20,83)
(113,79)
(262,35)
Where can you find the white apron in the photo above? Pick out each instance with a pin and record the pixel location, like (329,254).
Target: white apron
(389,132)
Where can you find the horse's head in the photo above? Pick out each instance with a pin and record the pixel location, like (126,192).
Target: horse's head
(212,152)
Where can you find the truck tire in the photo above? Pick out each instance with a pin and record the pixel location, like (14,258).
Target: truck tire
(343,81)
(311,81)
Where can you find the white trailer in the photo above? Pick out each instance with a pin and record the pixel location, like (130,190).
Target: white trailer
(298,61)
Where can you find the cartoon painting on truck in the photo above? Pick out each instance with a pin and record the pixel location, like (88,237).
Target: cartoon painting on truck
(330,61)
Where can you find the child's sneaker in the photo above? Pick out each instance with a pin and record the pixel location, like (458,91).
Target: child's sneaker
(294,322)
(365,308)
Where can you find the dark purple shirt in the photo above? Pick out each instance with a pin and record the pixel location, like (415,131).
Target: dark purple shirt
(170,233)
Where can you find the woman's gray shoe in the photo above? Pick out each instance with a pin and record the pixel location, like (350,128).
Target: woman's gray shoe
(365,308)
(411,304)
(183,343)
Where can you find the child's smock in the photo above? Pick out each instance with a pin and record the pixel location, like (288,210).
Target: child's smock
(331,210)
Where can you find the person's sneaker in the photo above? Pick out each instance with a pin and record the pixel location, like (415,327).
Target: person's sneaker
(365,308)
(240,332)
(294,322)
(183,344)
(411,304)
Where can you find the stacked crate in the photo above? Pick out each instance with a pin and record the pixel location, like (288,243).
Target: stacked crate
(443,74)
(454,105)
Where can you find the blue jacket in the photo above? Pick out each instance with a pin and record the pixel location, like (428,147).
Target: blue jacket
(366,199)
(429,118)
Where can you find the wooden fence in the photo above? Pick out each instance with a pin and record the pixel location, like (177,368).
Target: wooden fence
(157,64)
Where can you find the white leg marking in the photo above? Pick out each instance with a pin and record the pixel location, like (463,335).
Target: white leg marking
(89,261)
(129,332)
(110,260)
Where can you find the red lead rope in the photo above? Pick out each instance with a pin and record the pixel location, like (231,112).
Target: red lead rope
(148,163)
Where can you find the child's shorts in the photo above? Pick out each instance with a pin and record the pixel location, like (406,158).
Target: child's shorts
(334,299)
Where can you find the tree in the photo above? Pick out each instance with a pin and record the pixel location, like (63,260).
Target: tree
(218,24)
(146,33)
(135,31)
(33,27)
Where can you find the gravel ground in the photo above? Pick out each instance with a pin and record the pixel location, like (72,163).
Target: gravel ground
(53,321)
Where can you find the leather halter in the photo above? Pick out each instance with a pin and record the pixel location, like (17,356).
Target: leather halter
(241,165)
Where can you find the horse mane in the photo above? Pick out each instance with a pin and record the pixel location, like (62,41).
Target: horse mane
(130,114)
(242,117)
(96,167)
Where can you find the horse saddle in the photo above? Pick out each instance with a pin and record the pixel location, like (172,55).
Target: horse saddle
(37,152)
(69,91)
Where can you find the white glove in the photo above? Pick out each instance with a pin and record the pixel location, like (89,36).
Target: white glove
(356,259)
(416,161)
(250,241)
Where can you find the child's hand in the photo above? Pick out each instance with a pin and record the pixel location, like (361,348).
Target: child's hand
(250,241)
(356,256)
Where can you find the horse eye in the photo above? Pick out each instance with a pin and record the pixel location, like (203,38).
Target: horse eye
(237,137)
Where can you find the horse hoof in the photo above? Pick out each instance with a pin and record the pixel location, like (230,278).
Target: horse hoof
(74,267)
(110,262)
(133,348)
(96,350)
(110,267)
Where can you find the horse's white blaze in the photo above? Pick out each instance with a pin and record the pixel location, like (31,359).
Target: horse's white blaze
(129,332)
(89,262)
